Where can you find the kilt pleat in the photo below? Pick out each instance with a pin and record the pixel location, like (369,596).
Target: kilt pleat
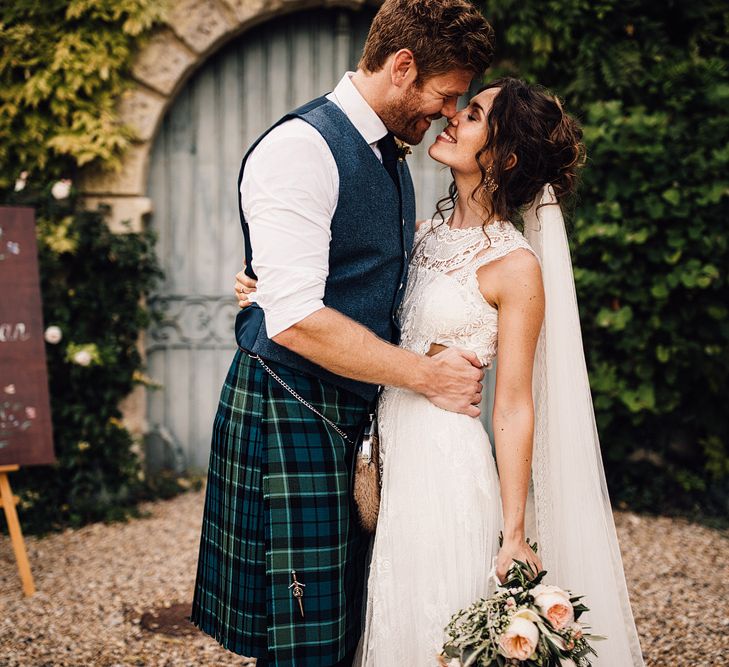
(278,499)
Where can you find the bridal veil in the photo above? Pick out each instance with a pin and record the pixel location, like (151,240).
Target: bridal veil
(574,521)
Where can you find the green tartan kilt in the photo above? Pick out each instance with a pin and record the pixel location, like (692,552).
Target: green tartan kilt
(278,499)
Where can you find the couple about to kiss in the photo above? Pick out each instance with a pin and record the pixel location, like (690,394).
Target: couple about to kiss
(353,295)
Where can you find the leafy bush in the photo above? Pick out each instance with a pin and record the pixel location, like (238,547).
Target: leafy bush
(651,84)
(63,63)
(93,283)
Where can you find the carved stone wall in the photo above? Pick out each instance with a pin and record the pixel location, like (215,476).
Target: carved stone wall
(195,29)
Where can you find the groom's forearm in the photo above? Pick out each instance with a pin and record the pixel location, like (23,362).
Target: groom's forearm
(345,347)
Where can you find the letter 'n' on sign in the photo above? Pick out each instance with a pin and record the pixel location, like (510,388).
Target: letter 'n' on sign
(25,415)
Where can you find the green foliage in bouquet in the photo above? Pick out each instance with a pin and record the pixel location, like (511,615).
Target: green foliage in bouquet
(476,634)
(650,234)
(93,284)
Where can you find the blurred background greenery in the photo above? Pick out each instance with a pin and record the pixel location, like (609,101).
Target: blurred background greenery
(649,233)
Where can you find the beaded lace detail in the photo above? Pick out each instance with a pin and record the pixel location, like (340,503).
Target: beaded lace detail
(443,303)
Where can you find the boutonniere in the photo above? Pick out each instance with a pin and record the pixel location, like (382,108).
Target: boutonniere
(403,149)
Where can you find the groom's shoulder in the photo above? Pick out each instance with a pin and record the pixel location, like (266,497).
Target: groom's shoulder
(289,139)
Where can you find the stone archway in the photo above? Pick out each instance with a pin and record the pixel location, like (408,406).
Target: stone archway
(193,32)
(195,29)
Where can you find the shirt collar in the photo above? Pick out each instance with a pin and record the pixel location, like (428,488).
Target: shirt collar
(361,114)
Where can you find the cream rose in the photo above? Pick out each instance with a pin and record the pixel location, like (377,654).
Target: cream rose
(555,604)
(21,181)
(61,189)
(53,335)
(520,639)
(82,358)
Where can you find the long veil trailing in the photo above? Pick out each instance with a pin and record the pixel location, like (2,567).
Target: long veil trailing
(574,521)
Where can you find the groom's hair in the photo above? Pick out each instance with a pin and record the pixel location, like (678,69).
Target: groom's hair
(442,34)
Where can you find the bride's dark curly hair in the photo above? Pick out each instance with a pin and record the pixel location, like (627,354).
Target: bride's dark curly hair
(527,121)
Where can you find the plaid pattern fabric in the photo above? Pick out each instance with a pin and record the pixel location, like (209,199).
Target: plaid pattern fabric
(278,499)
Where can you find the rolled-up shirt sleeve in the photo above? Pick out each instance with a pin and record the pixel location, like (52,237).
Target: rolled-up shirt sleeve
(289,194)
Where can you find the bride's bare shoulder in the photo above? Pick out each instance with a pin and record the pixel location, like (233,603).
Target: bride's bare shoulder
(516,276)
(418,224)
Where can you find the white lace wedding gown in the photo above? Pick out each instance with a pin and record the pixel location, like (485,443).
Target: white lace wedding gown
(441,510)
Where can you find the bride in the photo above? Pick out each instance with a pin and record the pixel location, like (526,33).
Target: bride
(476,282)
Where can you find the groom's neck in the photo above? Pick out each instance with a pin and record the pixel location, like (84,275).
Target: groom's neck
(374,87)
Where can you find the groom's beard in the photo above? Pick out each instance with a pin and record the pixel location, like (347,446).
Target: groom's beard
(405,120)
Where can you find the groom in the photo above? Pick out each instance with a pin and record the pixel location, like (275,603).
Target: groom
(328,215)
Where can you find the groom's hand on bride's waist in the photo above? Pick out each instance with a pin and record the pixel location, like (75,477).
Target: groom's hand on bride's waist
(455,383)
(453,377)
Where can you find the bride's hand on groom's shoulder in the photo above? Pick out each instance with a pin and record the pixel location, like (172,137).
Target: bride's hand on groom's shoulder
(455,381)
(243,287)
(513,550)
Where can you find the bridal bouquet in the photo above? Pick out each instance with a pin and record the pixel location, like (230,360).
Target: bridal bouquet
(525,624)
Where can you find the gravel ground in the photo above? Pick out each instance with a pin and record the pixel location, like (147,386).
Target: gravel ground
(97,585)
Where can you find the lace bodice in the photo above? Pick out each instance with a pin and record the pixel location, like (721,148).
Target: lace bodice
(443,303)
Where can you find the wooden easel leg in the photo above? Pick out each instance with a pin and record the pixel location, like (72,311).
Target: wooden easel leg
(16,536)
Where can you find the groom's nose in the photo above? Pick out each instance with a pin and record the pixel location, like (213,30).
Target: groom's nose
(450,107)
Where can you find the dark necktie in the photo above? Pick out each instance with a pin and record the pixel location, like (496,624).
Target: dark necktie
(388,149)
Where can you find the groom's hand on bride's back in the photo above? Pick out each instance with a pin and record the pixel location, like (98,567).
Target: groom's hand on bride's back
(243,287)
(456,381)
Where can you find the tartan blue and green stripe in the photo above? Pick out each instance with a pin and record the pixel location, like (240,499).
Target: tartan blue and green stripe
(278,499)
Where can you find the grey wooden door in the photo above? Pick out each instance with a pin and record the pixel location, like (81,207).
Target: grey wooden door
(193,171)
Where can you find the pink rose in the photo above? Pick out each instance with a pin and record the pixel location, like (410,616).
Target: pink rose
(520,639)
(555,604)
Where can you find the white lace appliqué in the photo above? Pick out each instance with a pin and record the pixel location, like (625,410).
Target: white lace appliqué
(443,303)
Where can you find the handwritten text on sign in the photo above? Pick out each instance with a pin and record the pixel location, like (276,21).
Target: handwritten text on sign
(25,420)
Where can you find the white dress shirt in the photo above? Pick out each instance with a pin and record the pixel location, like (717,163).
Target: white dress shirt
(289,194)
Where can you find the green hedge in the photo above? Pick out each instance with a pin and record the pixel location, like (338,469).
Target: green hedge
(93,284)
(650,82)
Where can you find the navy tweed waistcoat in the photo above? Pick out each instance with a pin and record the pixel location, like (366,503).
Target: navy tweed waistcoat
(372,234)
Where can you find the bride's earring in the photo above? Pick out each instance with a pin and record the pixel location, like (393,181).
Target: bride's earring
(489,184)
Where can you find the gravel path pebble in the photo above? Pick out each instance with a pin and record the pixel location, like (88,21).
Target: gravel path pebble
(96,584)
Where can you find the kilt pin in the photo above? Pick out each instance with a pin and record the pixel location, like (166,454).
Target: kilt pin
(278,500)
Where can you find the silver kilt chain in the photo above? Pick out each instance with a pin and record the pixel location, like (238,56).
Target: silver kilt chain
(299,398)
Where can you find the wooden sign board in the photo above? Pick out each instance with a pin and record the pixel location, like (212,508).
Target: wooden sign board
(25,413)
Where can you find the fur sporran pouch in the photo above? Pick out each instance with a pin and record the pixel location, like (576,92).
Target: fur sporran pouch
(367,482)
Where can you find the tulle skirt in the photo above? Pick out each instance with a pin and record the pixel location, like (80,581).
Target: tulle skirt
(437,533)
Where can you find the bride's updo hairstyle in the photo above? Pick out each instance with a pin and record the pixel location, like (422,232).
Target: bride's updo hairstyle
(527,122)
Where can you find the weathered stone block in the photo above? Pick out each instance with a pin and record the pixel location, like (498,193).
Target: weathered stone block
(245,10)
(141,109)
(130,180)
(134,412)
(200,23)
(163,62)
(120,211)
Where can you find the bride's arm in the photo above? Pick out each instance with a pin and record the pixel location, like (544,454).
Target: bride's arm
(514,283)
